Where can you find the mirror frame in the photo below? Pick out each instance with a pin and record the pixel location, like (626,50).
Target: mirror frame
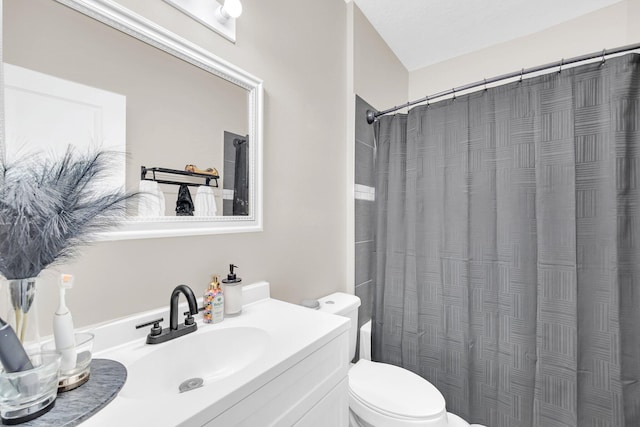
(128,22)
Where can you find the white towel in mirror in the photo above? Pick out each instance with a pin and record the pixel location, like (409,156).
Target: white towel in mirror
(151,199)
(205,203)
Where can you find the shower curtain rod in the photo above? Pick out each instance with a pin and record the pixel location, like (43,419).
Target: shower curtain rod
(372,115)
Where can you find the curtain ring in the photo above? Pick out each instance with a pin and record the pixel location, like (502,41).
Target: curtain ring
(521,73)
(603,53)
(454,94)
(485,84)
(561,64)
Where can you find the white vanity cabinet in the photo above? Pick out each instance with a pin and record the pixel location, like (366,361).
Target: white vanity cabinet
(311,393)
(276,364)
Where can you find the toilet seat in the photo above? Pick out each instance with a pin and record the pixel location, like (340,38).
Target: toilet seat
(394,392)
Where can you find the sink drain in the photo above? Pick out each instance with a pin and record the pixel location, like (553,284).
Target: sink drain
(190,384)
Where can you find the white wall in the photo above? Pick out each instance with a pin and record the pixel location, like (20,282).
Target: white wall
(379,76)
(610,27)
(299,50)
(633,13)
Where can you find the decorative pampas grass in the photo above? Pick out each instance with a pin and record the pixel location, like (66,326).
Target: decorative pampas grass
(49,206)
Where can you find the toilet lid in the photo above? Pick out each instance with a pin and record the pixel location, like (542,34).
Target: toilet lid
(394,390)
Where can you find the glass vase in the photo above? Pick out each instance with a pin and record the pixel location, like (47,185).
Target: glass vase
(21,311)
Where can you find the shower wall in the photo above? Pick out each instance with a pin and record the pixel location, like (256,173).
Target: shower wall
(364,211)
(380,79)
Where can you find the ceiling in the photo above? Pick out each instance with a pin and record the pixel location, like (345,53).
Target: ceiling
(424,32)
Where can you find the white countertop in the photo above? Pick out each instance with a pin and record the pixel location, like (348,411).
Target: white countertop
(294,332)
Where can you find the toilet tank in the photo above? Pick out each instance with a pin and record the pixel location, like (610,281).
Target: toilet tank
(344,305)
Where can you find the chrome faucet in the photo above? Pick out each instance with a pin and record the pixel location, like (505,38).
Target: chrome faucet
(159,335)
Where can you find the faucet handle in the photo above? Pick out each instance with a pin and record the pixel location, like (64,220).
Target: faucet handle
(189,320)
(188,313)
(156,329)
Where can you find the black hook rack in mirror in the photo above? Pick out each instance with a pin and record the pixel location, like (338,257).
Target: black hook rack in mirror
(207,177)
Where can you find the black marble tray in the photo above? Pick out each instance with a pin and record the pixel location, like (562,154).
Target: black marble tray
(75,406)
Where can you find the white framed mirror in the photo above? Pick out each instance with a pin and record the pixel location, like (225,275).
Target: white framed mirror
(180,103)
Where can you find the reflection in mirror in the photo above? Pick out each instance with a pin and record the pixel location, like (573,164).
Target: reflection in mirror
(65,113)
(236,167)
(178,115)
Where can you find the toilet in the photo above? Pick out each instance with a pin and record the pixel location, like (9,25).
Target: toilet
(384,395)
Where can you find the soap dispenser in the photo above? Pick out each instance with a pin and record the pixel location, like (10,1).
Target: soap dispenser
(232,292)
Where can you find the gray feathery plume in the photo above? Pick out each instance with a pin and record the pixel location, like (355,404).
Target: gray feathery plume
(49,206)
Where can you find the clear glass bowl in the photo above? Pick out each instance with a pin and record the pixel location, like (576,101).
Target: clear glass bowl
(75,368)
(28,394)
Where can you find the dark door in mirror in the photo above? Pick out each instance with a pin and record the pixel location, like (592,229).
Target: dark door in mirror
(236,175)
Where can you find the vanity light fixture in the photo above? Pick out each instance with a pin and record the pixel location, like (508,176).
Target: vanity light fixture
(221,18)
(230,9)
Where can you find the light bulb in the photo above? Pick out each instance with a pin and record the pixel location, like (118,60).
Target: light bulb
(230,9)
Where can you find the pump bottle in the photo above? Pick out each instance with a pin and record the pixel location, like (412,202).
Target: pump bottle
(233,292)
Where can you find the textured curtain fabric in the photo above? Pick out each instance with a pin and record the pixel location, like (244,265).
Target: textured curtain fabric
(241,179)
(508,248)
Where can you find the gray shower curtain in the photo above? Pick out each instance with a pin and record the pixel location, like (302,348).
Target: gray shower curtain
(508,248)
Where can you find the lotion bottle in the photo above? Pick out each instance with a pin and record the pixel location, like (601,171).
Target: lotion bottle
(232,292)
(207,301)
(63,327)
(217,305)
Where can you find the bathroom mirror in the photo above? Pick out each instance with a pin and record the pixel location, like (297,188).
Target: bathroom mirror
(167,101)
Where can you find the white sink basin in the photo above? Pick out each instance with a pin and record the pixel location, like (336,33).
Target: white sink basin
(263,367)
(207,355)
